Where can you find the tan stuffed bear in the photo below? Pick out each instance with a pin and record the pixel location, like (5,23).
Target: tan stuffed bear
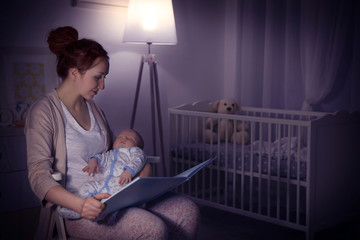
(213,127)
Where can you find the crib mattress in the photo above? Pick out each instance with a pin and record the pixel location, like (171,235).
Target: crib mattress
(271,158)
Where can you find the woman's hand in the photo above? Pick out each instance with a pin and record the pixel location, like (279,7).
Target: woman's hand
(92,206)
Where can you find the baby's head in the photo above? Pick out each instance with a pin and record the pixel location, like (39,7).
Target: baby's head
(128,138)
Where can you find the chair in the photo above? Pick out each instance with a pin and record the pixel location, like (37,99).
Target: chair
(60,226)
(59,221)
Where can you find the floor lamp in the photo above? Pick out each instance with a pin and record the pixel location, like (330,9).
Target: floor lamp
(150,22)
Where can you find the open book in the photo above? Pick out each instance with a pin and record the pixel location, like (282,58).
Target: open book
(144,189)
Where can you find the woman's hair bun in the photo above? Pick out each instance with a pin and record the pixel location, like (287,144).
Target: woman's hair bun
(60,37)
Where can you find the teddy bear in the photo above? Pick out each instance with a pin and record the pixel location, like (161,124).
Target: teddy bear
(213,126)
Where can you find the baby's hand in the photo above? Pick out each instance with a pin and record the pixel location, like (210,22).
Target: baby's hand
(92,167)
(125,177)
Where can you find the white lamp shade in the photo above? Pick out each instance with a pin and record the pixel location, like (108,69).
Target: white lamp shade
(150,21)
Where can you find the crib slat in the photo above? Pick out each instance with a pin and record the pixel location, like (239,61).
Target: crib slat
(194,130)
(188,142)
(278,201)
(211,169)
(251,174)
(234,185)
(298,174)
(308,178)
(288,174)
(176,143)
(203,157)
(218,187)
(260,168)
(268,172)
(242,194)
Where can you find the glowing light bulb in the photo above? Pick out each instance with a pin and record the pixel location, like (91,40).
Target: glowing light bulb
(149,22)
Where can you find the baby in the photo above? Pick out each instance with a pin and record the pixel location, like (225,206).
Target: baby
(116,167)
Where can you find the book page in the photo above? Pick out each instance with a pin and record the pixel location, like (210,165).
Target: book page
(144,189)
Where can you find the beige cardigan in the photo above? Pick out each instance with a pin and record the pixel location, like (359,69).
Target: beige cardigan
(46,151)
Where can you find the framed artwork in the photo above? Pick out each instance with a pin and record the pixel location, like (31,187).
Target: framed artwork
(27,75)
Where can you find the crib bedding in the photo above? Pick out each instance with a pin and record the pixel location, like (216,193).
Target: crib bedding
(279,153)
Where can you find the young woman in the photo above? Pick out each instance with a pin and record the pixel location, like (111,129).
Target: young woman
(66,126)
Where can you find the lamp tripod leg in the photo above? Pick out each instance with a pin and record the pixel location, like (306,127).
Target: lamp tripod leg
(158,107)
(153,109)
(137,92)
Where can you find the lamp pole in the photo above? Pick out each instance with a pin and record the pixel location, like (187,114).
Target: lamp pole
(155,103)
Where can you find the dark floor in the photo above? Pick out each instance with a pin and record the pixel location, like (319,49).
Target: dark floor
(215,224)
(19,225)
(218,224)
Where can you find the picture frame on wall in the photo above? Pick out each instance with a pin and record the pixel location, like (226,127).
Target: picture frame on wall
(27,74)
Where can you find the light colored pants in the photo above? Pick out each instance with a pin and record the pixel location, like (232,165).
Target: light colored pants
(169,217)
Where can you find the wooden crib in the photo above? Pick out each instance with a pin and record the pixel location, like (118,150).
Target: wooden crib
(299,169)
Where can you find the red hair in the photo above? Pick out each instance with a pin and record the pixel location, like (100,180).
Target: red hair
(72,52)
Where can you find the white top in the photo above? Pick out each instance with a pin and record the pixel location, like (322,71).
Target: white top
(80,144)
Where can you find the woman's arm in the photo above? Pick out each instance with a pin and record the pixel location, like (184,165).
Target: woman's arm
(88,208)
(146,171)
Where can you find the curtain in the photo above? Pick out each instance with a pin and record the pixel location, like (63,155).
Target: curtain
(294,54)
(323,28)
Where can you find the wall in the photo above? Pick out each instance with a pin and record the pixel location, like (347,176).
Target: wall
(189,71)
(202,66)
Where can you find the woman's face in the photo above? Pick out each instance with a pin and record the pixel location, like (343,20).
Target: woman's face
(93,79)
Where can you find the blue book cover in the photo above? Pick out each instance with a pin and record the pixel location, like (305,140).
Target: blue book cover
(144,189)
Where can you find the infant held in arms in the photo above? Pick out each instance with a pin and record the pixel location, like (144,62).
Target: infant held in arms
(115,167)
